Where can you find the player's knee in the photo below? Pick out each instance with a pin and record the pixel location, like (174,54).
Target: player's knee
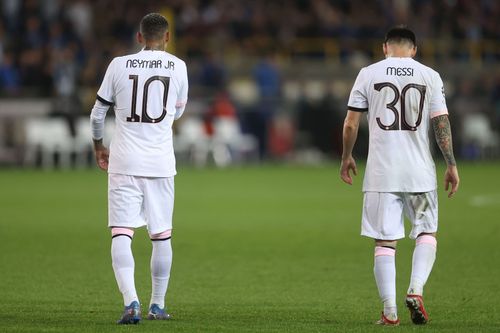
(386,243)
(116,232)
(385,251)
(167,234)
(427,239)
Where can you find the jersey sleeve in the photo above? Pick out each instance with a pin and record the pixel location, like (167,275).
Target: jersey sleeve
(97,117)
(358,100)
(182,97)
(106,92)
(437,104)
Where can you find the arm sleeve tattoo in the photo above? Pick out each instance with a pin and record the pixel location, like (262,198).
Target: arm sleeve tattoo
(442,131)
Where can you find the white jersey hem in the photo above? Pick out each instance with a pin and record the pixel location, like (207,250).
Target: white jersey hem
(142,174)
(418,190)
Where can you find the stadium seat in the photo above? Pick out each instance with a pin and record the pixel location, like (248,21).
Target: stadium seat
(230,144)
(50,136)
(478,133)
(82,144)
(292,91)
(314,90)
(243,91)
(192,141)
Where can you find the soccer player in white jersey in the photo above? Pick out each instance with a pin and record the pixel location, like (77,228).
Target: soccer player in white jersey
(148,91)
(401,98)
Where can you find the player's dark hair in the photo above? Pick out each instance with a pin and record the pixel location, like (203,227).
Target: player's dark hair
(400,34)
(153,26)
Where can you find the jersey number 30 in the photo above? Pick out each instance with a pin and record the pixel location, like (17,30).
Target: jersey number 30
(146,118)
(402,97)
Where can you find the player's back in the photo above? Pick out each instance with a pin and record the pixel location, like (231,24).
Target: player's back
(146,88)
(402,96)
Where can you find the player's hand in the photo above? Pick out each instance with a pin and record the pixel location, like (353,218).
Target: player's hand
(347,165)
(101,156)
(451,178)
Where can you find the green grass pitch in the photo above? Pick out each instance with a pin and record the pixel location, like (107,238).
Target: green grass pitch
(256,249)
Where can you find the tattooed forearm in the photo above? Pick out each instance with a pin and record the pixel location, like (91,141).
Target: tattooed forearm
(442,131)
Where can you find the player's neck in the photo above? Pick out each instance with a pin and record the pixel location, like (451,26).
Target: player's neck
(154,46)
(399,52)
(398,55)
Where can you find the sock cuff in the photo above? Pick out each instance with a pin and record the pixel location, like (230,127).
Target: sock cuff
(384,251)
(167,234)
(160,239)
(426,239)
(122,231)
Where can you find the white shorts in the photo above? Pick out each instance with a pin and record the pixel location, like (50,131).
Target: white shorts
(383,214)
(137,201)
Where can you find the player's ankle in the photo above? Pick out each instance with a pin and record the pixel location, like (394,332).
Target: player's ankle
(390,310)
(415,289)
(392,316)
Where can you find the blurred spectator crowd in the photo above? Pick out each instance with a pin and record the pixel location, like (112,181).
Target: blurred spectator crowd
(61,48)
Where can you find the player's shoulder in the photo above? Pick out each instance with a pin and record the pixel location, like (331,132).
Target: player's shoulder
(425,68)
(367,73)
(131,56)
(377,64)
(172,56)
(175,59)
(373,67)
(122,59)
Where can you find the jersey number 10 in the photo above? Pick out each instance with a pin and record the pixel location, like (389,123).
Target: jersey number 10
(402,97)
(146,118)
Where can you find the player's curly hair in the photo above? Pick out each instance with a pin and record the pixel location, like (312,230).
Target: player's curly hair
(400,34)
(153,26)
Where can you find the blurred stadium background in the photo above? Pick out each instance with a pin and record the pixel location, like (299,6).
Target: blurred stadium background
(270,248)
(269,79)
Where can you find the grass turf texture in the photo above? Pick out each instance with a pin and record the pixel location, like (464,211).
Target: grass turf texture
(260,249)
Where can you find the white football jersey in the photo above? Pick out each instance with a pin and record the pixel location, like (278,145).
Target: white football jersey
(400,96)
(149,90)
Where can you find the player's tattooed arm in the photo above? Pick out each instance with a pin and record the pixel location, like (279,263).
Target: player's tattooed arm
(442,131)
